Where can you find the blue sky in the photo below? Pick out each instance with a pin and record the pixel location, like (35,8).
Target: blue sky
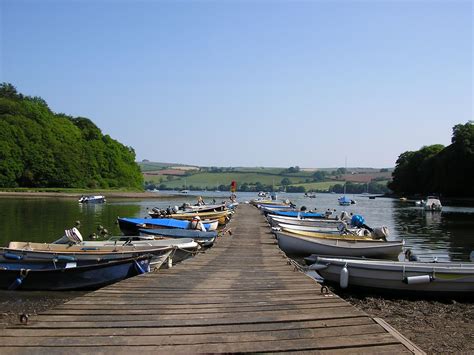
(249,83)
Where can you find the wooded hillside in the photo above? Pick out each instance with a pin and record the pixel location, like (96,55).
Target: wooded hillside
(436,169)
(39,148)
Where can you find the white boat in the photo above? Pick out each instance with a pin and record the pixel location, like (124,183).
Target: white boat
(432,203)
(298,245)
(92,199)
(449,278)
(334,229)
(323,222)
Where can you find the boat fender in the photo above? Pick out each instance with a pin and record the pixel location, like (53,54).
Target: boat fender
(11,256)
(421,279)
(344,277)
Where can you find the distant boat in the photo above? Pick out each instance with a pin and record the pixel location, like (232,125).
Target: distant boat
(92,199)
(184,191)
(432,204)
(344,201)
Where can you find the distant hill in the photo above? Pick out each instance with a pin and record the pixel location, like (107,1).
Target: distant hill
(179,176)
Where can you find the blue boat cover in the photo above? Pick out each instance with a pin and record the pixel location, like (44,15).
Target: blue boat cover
(180,233)
(297,213)
(162,222)
(344,199)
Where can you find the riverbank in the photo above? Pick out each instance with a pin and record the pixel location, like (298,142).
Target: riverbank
(77,195)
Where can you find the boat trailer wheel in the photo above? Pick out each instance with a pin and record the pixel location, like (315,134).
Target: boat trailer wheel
(24,318)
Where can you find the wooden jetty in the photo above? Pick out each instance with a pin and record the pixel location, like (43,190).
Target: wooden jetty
(242,295)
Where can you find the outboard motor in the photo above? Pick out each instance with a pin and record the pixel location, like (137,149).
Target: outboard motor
(71,236)
(357,221)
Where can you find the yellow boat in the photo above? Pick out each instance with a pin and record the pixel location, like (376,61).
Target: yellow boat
(268,203)
(222,216)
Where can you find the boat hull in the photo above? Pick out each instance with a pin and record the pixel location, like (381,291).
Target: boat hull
(391,276)
(74,278)
(304,246)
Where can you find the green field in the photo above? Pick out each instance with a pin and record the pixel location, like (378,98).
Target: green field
(212,180)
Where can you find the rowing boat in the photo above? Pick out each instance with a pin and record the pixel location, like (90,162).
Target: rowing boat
(433,279)
(299,245)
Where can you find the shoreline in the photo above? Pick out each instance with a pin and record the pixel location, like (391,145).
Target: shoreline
(76,195)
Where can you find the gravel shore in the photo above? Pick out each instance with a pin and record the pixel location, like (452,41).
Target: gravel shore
(437,327)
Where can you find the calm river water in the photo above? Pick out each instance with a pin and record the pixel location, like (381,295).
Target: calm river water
(446,235)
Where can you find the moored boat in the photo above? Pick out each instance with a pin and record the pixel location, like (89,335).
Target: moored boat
(60,276)
(92,199)
(130,226)
(299,245)
(203,238)
(433,279)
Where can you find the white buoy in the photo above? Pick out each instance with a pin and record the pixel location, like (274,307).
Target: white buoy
(170,262)
(422,279)
(344,277)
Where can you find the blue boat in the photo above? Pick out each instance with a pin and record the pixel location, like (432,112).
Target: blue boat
(59,276)
(203,238)
(345,201)
(299,214)
(130,226)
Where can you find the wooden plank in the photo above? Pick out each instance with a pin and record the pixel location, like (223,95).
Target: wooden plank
(343,310)
(160,322)
(220,347)
(404,340)
(147,313)
(22,331)
(211,337)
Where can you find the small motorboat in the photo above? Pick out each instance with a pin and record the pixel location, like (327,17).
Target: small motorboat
(432,203)
(347,245)
(92,199)
(60,276)
(205,239)
(130,226)
(411,277)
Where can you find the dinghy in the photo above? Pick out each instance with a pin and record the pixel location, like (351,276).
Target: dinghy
(130,226)
(433,279)
(298,245)
(205,239)
(92,199)
(61,276)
